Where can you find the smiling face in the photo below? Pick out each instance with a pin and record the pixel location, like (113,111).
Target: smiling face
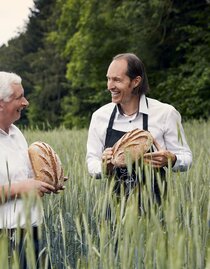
(11,110)
(119,84)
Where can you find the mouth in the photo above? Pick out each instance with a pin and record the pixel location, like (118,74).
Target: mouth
(115,94)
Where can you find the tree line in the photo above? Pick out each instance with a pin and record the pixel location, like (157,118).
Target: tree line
(66,47)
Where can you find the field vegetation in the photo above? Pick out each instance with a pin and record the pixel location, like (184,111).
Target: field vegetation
(76,233)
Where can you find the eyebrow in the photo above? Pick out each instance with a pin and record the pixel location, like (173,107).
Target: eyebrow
(19,96)
(114,77)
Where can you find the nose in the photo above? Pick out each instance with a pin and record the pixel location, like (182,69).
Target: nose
(25,102)
(110,84)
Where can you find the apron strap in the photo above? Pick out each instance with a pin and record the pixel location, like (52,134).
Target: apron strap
(145,122)
(145,119)
(109,128)
(111,121)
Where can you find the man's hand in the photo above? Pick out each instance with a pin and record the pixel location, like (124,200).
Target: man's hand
(61,187)
(106,160)
(159,158)
(107,155)
(37,186)
(25,187)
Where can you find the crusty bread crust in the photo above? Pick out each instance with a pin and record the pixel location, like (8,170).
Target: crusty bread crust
(131,146)
(46,163)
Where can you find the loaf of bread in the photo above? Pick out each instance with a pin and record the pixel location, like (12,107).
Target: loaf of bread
(46,164)
(131,147)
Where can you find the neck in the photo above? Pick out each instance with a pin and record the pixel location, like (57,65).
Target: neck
(3,126)
(6,129)
(130,108)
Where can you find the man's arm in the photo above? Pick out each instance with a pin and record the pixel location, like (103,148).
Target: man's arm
(176,150)
(16,190)
(94,149)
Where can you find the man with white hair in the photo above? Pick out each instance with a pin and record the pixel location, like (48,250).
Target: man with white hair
(16,176)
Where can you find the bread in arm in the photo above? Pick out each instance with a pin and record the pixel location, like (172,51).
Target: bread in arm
(46,164)
(132,146)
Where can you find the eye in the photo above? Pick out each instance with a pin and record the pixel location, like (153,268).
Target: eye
(117,79)
(19,97)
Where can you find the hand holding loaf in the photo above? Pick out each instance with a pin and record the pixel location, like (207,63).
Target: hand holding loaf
(131,146)
(46,164)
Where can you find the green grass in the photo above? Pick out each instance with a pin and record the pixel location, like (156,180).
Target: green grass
(77,235)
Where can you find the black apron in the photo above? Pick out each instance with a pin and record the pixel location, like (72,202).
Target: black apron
(122,175)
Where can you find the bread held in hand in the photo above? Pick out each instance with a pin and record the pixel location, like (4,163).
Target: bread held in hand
(131,147)
(46,164)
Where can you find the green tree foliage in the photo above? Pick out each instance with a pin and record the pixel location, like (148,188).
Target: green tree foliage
(183,78)
(48,75)
(33,55)
(91,36)
(64,53)
(88,45)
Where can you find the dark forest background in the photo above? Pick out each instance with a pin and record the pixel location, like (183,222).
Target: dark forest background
(63,55)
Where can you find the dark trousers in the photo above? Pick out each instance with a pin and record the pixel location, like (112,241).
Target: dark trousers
(18,241)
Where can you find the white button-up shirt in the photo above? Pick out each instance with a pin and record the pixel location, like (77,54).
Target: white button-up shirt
(164,123)
(14,167)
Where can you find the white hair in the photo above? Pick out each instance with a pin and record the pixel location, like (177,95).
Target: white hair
(6,81)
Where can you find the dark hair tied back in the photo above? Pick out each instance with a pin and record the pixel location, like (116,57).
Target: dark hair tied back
(135,68)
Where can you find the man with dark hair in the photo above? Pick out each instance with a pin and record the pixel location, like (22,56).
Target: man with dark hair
(130,109)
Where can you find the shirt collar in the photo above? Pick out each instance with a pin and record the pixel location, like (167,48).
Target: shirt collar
(142,106)
(11,131)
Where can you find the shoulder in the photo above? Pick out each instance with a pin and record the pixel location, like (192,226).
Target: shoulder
(15,130)
(163,113)
(106,108)
(17,134)
(104,111)
(160,106)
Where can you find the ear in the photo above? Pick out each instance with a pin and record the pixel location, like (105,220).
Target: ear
(137,81)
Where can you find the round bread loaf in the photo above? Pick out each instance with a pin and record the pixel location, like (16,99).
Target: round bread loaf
(46,164)
(131,146)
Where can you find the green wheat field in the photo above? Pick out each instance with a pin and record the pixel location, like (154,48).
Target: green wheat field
(76,233)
